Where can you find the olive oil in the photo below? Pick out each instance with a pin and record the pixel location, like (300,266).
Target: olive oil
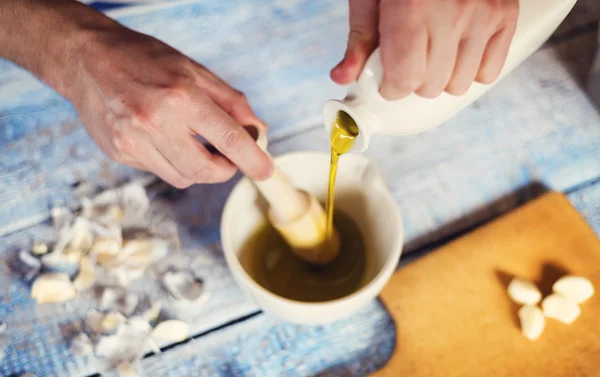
(343,134)
(269,260)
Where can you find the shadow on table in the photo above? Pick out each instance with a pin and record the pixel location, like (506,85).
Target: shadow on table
(476,218)
(578,54)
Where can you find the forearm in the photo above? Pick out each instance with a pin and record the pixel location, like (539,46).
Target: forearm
(46,36)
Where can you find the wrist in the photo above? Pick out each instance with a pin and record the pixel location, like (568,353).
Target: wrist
(49,43)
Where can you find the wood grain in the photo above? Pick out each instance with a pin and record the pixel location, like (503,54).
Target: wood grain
(454,318)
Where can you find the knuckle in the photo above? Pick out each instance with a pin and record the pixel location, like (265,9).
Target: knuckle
(177,91)
(181,183)
(124,143)
(238,99)
(232,139)
(145,120)
(202,171)
(116,156)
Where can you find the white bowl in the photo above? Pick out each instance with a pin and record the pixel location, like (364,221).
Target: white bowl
(361,193)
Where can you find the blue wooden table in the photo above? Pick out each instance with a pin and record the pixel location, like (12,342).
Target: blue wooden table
(535,131)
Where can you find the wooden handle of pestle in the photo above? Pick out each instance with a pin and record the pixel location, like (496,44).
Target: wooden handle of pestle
(297,215)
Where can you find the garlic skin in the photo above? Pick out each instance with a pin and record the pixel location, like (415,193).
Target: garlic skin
(574,288)
(532,321)
(557,307)
(524,292)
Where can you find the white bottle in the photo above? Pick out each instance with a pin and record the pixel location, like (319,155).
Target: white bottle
(538,19)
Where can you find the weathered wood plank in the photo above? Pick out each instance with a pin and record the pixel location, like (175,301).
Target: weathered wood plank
(43,149)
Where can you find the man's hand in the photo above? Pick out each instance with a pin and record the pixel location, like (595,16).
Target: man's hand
(142,101)
(429,46)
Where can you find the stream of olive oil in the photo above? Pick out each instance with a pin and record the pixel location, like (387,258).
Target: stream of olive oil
(343,134)
(270,261)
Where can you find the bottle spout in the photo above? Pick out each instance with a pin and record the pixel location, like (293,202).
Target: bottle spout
(330,111)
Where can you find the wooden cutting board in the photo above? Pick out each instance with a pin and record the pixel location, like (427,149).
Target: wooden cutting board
(454,318)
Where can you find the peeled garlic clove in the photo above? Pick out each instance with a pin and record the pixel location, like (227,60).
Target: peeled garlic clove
(523,292)
(558,307)
(86,276)
(532,321)
(53,287)
(106,249)
(574,288)
(39,248)
(111,321)
(137,251)
(82,236)
(172,330)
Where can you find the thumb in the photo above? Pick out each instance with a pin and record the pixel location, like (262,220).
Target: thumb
(362,40)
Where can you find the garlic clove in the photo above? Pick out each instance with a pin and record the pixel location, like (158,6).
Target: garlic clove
(111,321)
(524,292)
(532,321)
(171,330)
(574,288)
(81,235)
(52,288)
(86,276)
(557,307)
(39,248)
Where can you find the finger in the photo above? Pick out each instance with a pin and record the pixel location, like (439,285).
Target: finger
(441,57)
(234,142)
(468,61)
(494,56)
(234,102)
(362,40)
(192,160)
(136,146)
(477,34)
(497,47)
(404,43)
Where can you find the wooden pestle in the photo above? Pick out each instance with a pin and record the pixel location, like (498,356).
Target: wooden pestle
(297,215)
